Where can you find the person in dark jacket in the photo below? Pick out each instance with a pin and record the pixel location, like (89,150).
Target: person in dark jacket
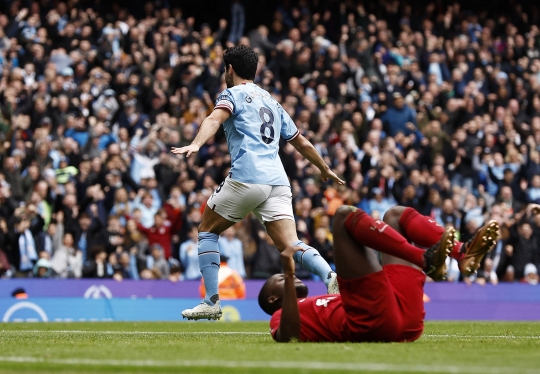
(267,259)
(97,266)
(523,249)
(399,118)
(13,177)
(23,253)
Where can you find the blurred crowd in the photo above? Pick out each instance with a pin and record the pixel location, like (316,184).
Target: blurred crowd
(422,104)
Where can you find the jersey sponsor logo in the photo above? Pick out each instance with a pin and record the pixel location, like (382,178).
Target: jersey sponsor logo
(324,301)
(379,222)
(25,305)
(97,291)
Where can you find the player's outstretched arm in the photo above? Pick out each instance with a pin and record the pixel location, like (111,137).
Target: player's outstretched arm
(209,127)
(307,150)
(289,325)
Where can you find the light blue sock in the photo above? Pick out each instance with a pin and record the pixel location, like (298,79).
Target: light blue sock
(311,260)
(208,250)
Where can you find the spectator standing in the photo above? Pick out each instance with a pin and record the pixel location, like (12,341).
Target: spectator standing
(144,202)
(23,254)
(96,266)
(232,248)
(399,118)
(127,266)
(189,257)
(67,260)
(160,233)
(379,203)
(266,261)
(321,243)
(156,260)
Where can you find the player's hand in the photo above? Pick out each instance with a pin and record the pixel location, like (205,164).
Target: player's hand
(329,174)
(287,259)
(188,150)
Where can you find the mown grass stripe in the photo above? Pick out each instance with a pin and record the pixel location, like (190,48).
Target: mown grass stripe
(112,332)
(311,365)
(139,332)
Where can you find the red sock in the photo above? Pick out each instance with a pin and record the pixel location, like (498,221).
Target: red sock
(381,237)
(424,231)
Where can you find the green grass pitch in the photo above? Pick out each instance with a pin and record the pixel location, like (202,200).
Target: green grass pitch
(241,347)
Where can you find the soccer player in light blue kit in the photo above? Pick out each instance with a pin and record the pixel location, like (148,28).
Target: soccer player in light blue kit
(253,122)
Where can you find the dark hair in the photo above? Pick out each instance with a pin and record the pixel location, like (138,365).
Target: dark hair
(243,59)
(264,294)
(95,250)
(70,232)
(84,215)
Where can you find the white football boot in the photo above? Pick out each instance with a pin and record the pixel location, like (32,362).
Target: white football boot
(203,311)
(333,286)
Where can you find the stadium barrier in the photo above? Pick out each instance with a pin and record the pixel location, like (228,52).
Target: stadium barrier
(73,309)
(107,300)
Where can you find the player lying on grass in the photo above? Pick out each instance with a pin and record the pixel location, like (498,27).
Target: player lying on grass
(253,122)
(382,304)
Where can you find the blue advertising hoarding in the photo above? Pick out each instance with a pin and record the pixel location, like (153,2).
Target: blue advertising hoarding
(107,300)
(55,309)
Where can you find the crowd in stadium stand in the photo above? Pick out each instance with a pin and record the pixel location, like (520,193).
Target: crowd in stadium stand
(432,106)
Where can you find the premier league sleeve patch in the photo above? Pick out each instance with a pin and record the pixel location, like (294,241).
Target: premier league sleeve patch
(226,102)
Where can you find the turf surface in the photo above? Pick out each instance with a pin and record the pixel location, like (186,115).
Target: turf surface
(222,347)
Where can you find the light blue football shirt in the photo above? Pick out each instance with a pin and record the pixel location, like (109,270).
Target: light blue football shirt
(253,131)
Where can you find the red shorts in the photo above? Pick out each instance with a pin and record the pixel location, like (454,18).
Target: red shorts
(386,306)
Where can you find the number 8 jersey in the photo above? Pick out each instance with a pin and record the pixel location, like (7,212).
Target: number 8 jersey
(253,131)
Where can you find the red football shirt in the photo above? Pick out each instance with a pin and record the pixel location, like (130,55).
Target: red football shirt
(322,319)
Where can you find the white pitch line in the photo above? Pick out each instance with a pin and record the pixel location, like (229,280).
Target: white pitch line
(478,336)
(139,332)
(327,366)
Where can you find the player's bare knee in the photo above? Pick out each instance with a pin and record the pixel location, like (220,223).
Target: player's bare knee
(343,212)
(340,217)
(392,215)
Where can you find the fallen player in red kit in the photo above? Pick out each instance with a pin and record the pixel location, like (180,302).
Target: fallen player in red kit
(377,303)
